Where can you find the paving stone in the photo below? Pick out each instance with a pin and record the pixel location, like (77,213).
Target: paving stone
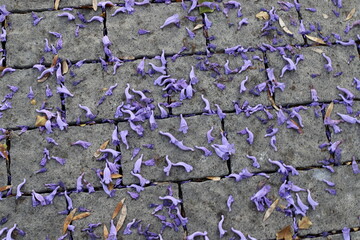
(297,150)
(341,206)
(18,5)
(93,82)
(329,23)
(298,83)
(21,106)
(123,29)
(214,74)
(26,47)
(347,136)
(205,202)
(27,152)
(196,136)
(37,222)
(102,208)
(227,34)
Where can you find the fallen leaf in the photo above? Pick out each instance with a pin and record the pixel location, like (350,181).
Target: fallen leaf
(356,229)
(283,26)
(3,150)
(33,102)
(94,5)
(271,209)
(68,220)
(81,216)
(102,147)
(285,233)
(198,26)
(106,232)
(40,121)
(110,186)
(54,61)
(116,175)
(127,57)
(214,178)
(118,208)
(317,50)
(325,16)
(329,110)
(205,9)
(262,15)
(44,78)
(64,67)
(305,223)
(4,188)
(2,68)
(350,15)
(316,39)
(56,5)
(123,213)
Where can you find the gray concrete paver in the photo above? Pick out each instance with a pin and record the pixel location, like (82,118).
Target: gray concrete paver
(18,5)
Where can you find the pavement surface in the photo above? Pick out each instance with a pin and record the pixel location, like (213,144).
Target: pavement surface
(180,120)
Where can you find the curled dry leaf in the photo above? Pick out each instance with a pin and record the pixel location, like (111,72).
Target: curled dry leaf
(94,4)
(262,15)
(271,209)
(305,223)
(68,220)
(54,61)
(64,67)
(4,188)
(316,39)
(106,232)
(350,15)
(116,175)
(285,233)
(329,110)
(198,26)
(81,216)
(3,150)
(40,121)
(56,5)
(284,27)
(102,147)
(118,208)
(214,178)
(120,222)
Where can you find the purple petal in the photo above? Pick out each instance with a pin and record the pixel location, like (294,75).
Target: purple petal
(143,31)
(96,18)
(188,168)
(137,165)
(123,135)
(143,181)
(89,114)
(196,234)
(183,125)
(239,233)
(255,162)
(220,112)
(64,90)
(62,161)
(168,167)
(229,202)
(311,201)
(208,23)
(327,66)
(346,233)
(207,152)
(83,144)
(18,189)
(68,15)
(68,201)
(190,33)
(173,19)
(331,184)
(51,140)
(114,136)
(208,135)
(355,166)
(242,85)
(220,227)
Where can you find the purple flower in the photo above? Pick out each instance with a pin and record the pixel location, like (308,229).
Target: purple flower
(207,152)
(229,202)
(96,18)
(30,94)
(196,234)
(173,19)
(51,140)
(142,180)
(68,15)
(312,203)
(239,233)
(123,135)
(208,135)
(255,162)
(37,198)
(68,201)
(18,189)
(48,91)
(89,114)
(176,142)
(242,85)
(220,227)
(346,233)
(140,67)
(208,23)
(133,195)
(260,198)
(137,165)
(327,66)
(106,175)
(349,95)
(114,136)
(143,31)
(355,166)
(62,161)
(83,144)
(311,9)
(193,79)
(188,168)
(174,201)
(220,112)
(61,124)
(64,90)
(331,191)
(241,175)
(7,70)
(190,33)
(113,152)
(183,125)
(243,21)
(273,142)
(250,138)
(207,105)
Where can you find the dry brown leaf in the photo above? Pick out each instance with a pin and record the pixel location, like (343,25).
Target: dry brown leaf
(94,4)
(285,233)
(3,150)
(305,223)
(2,68)
(102,147)
(284,27)
(54,61)
(56,5)
(214,178)
(262,15)
(81,216)
(198,26)
(64,67)
(4,188)
(350,15)
(44,78)
(40,121)
(110,186)
(118,208)
(325,16)
(271,209)
(123,213)
(127,57)
(316,39)
(33,102)
(68,220)
(329,110)
(116,175)
(106,232)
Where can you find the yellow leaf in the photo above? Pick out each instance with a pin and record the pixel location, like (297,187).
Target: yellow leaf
(118,208)
(305,223)
(64,67)
(262,15)
(123,213)
(81,216)
(33,102)
(106,232)
(4,188)
(40,121)
(270,209)
(94,5)
(285,233)
(116,175)
(102,147)
(315,39)
(56,5)
(284,27)
(350,15)
(68,220)
(329,110)
(3,150)
(214,178)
